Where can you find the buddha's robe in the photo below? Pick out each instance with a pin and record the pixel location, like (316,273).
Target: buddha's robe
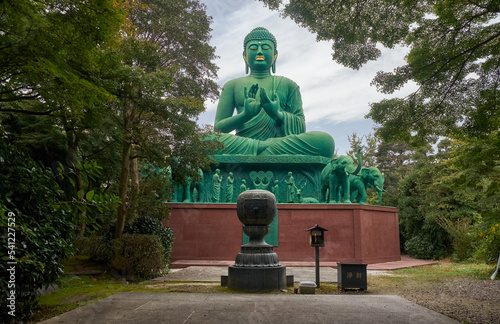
(290,137)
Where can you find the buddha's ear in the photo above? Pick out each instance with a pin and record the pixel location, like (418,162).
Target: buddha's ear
(246,62)
(273,67)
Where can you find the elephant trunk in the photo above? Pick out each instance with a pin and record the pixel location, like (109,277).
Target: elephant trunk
(360,162)
(379,191)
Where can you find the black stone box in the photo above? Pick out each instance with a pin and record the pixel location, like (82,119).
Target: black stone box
(351,276)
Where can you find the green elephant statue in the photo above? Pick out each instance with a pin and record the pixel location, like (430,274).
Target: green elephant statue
(335,179)
(368,178)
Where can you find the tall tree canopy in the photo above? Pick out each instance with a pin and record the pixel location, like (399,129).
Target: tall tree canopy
(161,73)
(453,58)
(48,51)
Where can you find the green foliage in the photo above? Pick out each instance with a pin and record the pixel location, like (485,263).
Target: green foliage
(137,255)
(477,180)
(48,49)
(93,246)
(369,148)
(461,236)
(43,227)
(424,246)
(488,244)
(153,226)
(419,207)
(100,248)
(455,190)
(90,203)
(454,56)
(160,73)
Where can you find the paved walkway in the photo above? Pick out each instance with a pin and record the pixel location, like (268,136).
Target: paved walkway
(255,308)
(405,262)
(211,274)
(183,308)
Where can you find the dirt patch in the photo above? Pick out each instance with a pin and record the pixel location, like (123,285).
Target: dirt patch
(467,300)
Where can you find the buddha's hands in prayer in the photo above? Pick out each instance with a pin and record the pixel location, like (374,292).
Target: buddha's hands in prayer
(270,105)
(251,107)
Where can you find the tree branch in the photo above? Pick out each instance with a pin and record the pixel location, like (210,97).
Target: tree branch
(28,112)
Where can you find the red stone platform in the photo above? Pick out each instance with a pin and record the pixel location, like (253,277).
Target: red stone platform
(356,233)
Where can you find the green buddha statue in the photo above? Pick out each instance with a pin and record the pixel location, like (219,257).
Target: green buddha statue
(269,119)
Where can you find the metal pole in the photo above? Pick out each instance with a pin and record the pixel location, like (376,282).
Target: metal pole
(317,266)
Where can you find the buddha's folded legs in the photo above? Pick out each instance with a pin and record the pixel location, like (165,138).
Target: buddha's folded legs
(311,143)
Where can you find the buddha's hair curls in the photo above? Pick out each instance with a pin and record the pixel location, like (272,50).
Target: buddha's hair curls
(260,33)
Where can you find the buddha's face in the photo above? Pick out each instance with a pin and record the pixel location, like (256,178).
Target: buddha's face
(260,55)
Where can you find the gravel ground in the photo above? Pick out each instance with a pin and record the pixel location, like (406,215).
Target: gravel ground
(467,300)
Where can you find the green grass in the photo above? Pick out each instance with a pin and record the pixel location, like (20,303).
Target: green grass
(79,290)
(449,270)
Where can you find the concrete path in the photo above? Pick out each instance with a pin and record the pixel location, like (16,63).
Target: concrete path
(197,273)
(251,308)
(183,308)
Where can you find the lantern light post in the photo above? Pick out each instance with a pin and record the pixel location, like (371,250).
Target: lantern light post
(317,239)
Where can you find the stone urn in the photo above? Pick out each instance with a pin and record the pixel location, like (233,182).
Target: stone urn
(256,209)
(256,267)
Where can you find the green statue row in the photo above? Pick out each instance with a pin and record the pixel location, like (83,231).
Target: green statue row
(269,119)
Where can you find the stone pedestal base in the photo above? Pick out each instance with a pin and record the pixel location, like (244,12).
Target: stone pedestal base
(261,172)
(356,233)
(257,278)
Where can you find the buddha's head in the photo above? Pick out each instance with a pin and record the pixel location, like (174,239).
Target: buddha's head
(260,50)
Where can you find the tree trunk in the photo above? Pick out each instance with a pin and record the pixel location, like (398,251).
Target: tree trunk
(71,159)
(128,118)
(122,191)
(134,184)
(83,213)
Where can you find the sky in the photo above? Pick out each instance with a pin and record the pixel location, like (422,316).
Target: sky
(335,98)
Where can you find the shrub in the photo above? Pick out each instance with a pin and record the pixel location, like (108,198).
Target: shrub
(150,225)
(104,248)
(43,228)
(488,245)
(461,238)
(96,247)
(424,247)
(138,255)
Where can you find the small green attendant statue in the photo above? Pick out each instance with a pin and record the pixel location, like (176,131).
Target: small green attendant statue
(269,119)
(216,181)
(229,187)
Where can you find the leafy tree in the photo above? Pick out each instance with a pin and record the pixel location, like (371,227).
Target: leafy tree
(476,181)
(453,58)
(160,74)
(395,161)
(48,51)
(30,213)
(368,149)
(421,236)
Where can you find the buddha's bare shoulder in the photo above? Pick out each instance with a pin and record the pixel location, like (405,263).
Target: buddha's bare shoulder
(236,82)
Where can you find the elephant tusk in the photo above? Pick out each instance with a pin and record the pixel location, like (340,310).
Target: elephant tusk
(380,189)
